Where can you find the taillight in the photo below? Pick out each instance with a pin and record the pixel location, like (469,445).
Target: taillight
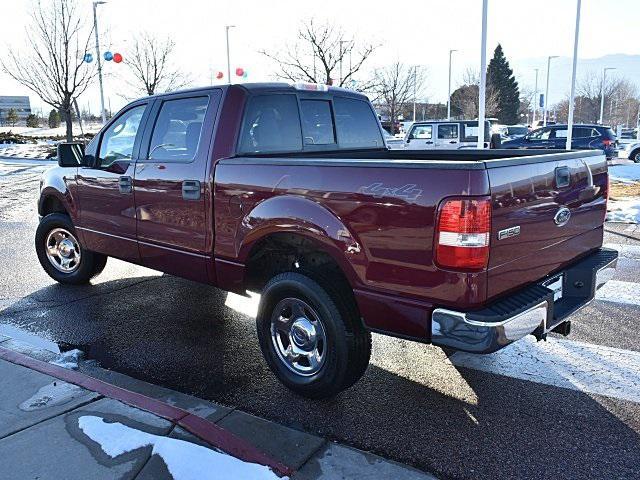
(606,142)
(462,233)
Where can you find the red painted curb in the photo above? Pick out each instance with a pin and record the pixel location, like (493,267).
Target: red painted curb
(208,431)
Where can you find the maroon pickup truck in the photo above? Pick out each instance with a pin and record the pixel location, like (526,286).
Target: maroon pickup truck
(289,191)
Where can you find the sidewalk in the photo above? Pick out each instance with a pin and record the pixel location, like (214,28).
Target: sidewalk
(53,429)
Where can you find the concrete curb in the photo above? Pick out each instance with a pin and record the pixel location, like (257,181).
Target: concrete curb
(204,429)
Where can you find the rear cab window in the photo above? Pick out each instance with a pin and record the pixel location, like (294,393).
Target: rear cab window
(285,122)
(356,124)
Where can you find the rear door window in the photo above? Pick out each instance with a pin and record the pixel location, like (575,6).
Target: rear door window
(317,122)
(271,124)
(356,124)
(448,131)
(176,134)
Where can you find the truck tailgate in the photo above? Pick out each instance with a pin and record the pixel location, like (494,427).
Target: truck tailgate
(545,214)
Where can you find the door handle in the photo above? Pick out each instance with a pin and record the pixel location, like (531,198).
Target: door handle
(125,185)
(191,190)
(453,141)
(429,143)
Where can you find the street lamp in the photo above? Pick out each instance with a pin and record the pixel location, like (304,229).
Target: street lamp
(415,82)
(95,29)
(449,88)
(342,42)
(482,90)
(226,29)
(546,93)
(573,77)
(604,78)
(535,100)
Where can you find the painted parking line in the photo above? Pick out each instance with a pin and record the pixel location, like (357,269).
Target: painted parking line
(618,291)
(587,368)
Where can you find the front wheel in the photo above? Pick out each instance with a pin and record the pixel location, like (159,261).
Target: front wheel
(312,339)
(61,254)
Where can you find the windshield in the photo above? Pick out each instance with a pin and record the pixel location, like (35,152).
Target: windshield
(517,130)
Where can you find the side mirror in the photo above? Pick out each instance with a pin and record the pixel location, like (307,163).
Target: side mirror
(70,154)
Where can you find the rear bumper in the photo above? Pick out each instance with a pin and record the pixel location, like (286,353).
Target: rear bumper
(531,310)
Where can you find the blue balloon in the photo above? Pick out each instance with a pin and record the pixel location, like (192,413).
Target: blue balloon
(88,57)
(108,56)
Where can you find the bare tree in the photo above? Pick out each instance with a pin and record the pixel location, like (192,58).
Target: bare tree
(620,106)
(322,53)
(395,86)
(465,99)
(151,67)
(53,64)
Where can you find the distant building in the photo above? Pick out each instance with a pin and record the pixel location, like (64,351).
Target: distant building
(20,104)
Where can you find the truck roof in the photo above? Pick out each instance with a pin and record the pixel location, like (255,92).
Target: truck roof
(263,87)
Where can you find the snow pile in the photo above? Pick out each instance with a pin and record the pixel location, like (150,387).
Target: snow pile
(184,460)
(69,359)
(625,173)
(624,211)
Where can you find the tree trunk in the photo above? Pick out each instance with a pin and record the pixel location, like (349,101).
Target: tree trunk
(68,120)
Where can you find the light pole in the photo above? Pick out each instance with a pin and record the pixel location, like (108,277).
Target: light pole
(573,78)
(341,42)
(95,29)
(226,31)
(546,93)
(449,88)
(535,100)
(483,75)
(415,86)
(604,79)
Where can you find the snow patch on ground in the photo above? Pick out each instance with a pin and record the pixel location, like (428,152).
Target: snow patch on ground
(69,359)
(56,393)
(184,460)
(625,173)
(624,211)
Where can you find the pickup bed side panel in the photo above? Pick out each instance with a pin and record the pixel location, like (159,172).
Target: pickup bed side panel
(376,222)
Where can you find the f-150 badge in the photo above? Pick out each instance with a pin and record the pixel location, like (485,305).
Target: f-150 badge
(509,232)
(379,190)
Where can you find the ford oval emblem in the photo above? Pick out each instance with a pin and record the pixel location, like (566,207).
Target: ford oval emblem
(562,216)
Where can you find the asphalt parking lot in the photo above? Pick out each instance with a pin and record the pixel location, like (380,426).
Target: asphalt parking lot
(567,408)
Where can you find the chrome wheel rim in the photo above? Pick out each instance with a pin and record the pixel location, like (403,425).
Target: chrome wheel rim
(63,250)
(298,336)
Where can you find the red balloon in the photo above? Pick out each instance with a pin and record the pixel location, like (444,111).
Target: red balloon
(117,57)
(219,75)
(239,71)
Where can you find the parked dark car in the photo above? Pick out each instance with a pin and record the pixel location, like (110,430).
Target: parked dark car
(585,137)
(290,191)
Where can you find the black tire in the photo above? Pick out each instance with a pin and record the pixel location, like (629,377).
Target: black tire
(348,343)
(89,265)
(635,156)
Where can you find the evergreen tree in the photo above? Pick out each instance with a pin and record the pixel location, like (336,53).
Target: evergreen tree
(54,119)
(12,117)
(33,120)
(500,78)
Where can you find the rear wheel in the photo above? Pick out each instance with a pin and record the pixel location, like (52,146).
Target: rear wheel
(635,156)
(61,254)
(311,338)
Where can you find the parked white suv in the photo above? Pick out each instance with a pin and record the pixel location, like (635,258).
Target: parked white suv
(442,134)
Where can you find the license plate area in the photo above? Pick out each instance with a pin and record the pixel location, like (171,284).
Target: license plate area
(555,285)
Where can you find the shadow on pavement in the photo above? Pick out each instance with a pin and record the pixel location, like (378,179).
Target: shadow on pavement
(412,405)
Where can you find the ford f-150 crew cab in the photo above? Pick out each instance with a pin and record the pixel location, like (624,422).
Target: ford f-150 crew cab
(289,191)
